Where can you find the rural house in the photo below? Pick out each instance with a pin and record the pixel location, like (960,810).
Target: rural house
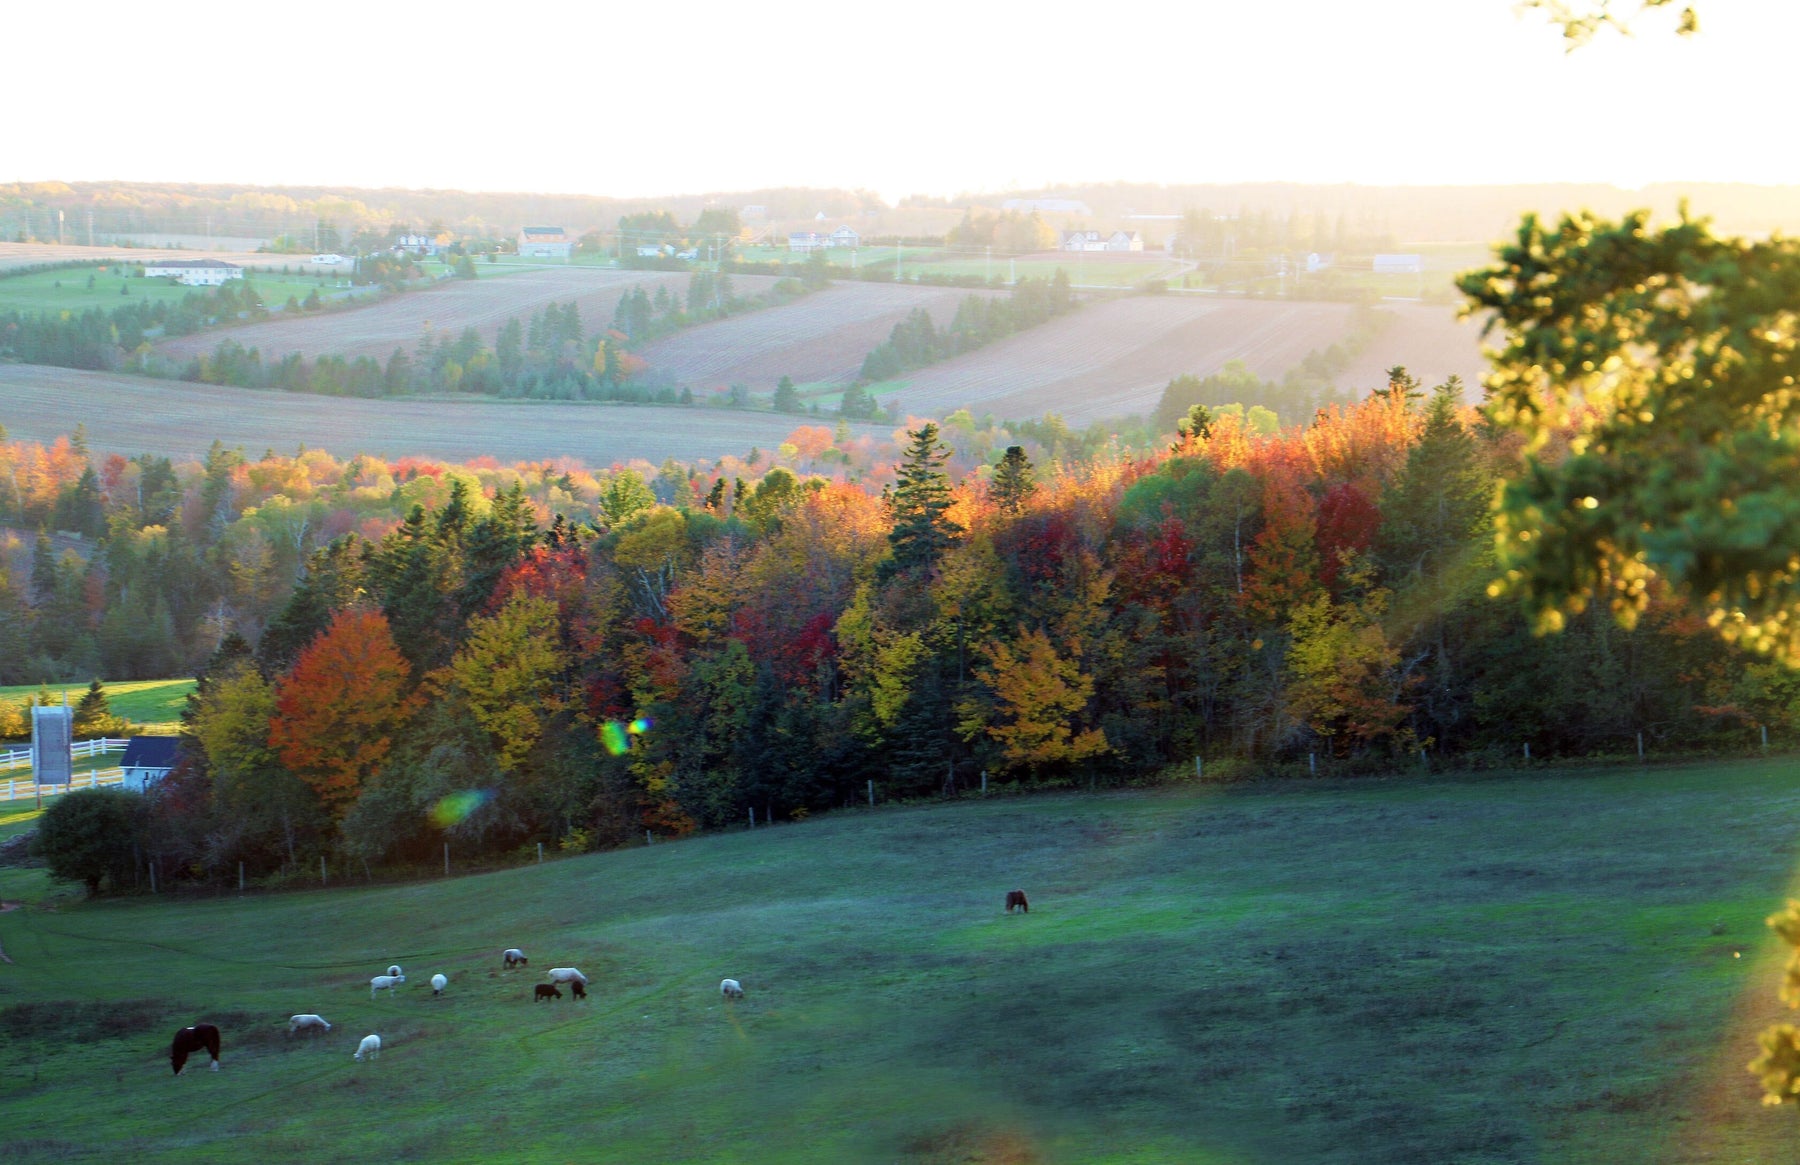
(1101,241)
(194,272)
(814,241)
(545,243)
(148,759)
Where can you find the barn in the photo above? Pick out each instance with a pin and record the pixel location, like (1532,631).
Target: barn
(148,759)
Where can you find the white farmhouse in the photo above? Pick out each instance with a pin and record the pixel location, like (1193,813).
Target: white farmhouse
(194,272)
(148,759)
(545,243)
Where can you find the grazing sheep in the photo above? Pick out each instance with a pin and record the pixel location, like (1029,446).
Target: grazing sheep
(307,1022)
(567,975)
(438,983)
(394,970)
(190,1040)
(384,982)
(370,1047)
(514,957)
(731,989)
(578,988)
(545,991)
(1017,898)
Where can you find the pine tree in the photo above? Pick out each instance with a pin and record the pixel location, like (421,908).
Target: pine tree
(919,504)
(787,397)
(1014,481)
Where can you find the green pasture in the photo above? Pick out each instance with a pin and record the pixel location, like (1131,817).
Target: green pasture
(1559,968)
(152,704)
(67,289)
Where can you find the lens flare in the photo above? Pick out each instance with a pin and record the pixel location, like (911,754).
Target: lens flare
(617,737)
(455,808)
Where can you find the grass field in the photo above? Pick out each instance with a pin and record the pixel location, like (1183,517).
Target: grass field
(1510,968)
(152,704)
(1095,270)
(68,290)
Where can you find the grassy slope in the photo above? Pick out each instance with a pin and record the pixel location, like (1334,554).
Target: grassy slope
(152,704)
(1532,968)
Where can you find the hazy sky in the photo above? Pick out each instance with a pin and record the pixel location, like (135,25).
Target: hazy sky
(934,96)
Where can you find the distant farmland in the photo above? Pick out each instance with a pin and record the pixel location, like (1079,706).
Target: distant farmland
(131,415)
(821,338)
(485,304)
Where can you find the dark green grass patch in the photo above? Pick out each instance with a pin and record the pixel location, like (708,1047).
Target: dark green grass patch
(1536,968)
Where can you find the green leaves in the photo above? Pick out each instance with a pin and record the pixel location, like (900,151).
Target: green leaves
(1652,375)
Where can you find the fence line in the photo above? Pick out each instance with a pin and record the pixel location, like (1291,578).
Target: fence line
(25,790)
(20,758)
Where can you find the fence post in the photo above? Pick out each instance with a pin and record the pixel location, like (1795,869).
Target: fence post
(153,873)
(240,877)
(540,853)
(646,837)
(1527,750)
(984,782)
(1640,746)
(871,794)
(322,869)
(1765,732)
(1312,762)
(752,817)
(446,859)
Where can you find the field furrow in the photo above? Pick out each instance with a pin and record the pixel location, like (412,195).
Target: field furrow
(131,415)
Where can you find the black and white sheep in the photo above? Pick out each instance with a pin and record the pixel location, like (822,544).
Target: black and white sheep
(731,989)
(438,983)
(307,1022)
(370,1047)
(513,957)
(384,983)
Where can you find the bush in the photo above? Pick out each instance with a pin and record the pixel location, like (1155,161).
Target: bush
(90,836)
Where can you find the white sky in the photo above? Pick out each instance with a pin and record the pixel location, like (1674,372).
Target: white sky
(931,96)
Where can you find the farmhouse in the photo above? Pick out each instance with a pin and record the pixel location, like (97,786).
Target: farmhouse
(545,243)
(815,241)
(148,759)
(194,272)
(1101,241)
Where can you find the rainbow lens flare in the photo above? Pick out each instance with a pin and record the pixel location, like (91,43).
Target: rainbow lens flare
(455,808)
(617,737)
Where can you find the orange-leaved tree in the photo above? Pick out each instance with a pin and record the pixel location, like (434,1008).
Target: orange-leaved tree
(338,711)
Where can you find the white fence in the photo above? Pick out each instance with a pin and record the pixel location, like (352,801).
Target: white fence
(23,790)
(20,758)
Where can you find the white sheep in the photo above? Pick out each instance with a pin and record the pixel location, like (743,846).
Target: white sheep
(567,975)
(514,957)
(307,1022)
(438,983)
(383,982)
(394,970)
(370,1047)
(731,989)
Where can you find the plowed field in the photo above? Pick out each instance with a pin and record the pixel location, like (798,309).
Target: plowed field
(131,415)
(29,254)
(1114,358)
(485,304)
(821,338)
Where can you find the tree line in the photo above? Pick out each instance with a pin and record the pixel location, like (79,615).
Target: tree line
(917,341)
(1315,596)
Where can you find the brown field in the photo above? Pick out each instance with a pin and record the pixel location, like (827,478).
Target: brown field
(821,338)
(1112,358)
(485,304)
(131,415)
(27,254)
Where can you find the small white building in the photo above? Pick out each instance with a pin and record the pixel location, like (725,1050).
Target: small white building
(545,243)
(148,759)
(844,237)
(194,272)
(1124,241)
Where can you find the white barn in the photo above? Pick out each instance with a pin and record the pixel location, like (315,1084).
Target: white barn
(148,759)
(194,272)
(545,243)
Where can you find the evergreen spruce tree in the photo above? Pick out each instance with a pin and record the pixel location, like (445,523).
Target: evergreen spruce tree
(919,504)
(787,397)
(1014,482)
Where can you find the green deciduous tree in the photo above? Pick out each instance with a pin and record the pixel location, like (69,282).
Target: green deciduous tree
(90,836)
